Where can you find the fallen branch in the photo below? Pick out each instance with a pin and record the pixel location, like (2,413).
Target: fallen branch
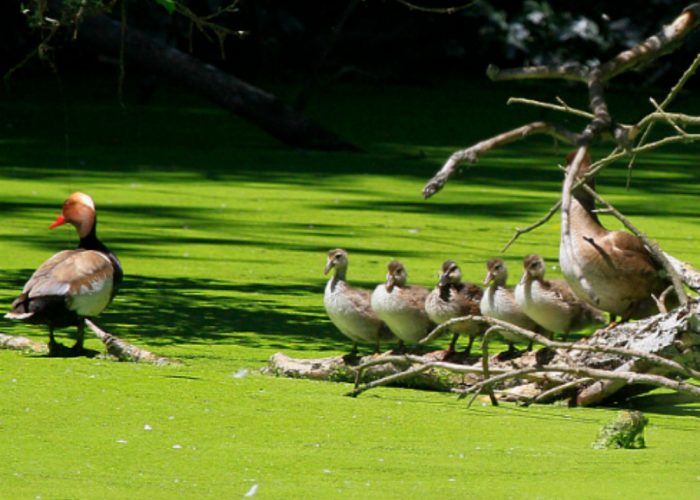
(124,351)
(22,344)
(629,378)
(689,275)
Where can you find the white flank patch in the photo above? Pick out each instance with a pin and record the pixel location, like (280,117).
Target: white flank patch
(252,491)
(93,299)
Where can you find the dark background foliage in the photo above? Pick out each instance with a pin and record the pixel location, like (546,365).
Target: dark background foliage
(381,40)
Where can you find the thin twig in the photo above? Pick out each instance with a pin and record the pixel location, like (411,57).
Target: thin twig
(415,370)
(563,108)
(540,222)
(647,126)
(485,364)
(667,117)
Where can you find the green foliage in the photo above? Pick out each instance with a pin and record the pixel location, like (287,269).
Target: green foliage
(169,5)
(223,234)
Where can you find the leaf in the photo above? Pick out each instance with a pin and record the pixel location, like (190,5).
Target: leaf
(168,4)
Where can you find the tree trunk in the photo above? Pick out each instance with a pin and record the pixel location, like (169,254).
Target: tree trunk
(251,103)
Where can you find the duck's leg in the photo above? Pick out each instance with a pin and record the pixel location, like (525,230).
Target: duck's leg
(78,346)
(511,353)
(453,343)
(353,351)
(468,350)
(377,347)
(54,346)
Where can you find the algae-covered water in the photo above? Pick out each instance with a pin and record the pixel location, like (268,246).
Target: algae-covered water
(222,233)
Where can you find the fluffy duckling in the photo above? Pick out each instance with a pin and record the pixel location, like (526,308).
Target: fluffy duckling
(402,307)
(349,308)
(551,303)
(499,302)
(452,298)
(610,270)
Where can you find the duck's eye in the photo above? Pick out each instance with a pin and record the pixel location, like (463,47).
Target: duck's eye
(337,256)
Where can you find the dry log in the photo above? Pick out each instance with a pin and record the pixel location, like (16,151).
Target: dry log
(123,351)
(22,344)
(661,351)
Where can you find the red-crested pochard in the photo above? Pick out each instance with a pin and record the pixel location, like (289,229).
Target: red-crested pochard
(73,284)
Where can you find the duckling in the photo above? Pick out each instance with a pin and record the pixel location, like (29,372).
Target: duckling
(349,308)
(610,270)
(499,302)
(402,307)
(551,303)
(451,299)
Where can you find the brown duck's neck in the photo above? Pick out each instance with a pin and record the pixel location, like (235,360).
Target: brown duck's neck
(582,215)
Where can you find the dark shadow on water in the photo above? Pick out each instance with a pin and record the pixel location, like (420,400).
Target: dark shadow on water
(203,311)
(666,404)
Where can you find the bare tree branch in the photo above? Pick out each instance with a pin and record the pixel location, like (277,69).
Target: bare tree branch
(563,107)
(627,377)
(472,154)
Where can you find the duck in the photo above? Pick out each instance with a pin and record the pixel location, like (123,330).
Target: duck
(74,284)
(611,270)
(499,302)
(551,303)
(402,306)
(349,308)
(452,298)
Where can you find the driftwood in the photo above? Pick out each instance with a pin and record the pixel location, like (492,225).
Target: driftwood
(116,348)
(22,344)
(123,351)
(661,351)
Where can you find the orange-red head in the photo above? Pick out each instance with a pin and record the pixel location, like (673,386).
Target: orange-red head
(79,210)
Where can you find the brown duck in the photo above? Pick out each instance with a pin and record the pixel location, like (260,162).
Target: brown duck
(73,284)
(611,270)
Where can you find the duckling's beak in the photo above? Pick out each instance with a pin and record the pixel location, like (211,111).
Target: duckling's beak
(390,282)
(524,278)
(489,278)
(329,266)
